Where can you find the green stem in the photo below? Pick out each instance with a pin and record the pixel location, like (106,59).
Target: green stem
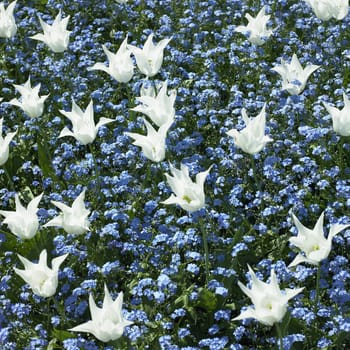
(342,165)
(317,291)
(12,185)
(255,176)
(38,245)
(60,310)
(131,102)
(97,172)
(117,344)
(280,336)
(206,250)
(48,306)
(273,7)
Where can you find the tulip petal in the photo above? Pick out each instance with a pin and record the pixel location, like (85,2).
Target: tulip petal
(34,203)
(299,259)
(87,327)
(104,121)
(66,132)
(56,221)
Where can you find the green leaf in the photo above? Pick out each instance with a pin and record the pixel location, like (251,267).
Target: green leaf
(206,300)
(52,344)
(44,160)
(61,335)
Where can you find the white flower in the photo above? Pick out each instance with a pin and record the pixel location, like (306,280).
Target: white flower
(153,145)
(74,220)
(23,222)
(31,103)
(327,9)
(150,58)
(84,129)
(294,77)
(160,109)
(270,303)
(189,195)
(340,118)
(8,26)
(56,36)
(40,277)
(121,66)
(252,138)
(4,144)
(313,244)
(256,28)
(107,323)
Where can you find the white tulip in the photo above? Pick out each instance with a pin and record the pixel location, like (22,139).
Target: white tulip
(340,118)
(74,220)
(107,323)
(40,277)
(56,36)
(120,65)
(189,195)
(294,76)
(270,303)
(8,27)
(149,59)
(23,222)
(84,128)
(256,28)
(159,108)
(5,144)
(327,9)
(252,138)
(313,244)
(31,103)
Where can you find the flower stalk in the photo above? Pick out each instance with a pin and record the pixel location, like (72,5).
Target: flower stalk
(317,290)
(206,250)
(9,178)
(255,175)
(280,336)
(97,171)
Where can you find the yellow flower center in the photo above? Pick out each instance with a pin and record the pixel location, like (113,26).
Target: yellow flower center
(187,198)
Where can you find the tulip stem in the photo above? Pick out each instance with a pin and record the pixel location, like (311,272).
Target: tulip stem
(97,172)
(280,336)
(255,176)
(117,344)
(342,165)
(59,308)
(131,102)
(48,309)
(206,250)
(273,7)
(317,291)
(12,185)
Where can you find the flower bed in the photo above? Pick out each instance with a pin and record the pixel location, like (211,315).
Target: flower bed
(174,175)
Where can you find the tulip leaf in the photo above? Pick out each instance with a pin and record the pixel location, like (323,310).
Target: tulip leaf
(207,300)
(41,5)
(53,344)
(61,335)
(342,339)
(45,160)
(13,164)
(285,322)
